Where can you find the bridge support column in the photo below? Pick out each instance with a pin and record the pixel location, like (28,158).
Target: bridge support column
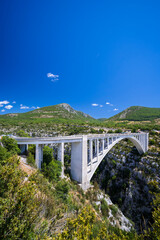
(90,151)
(102,145)
(79,162)
(146,142)
(97,148)
(61,157)
(39,155)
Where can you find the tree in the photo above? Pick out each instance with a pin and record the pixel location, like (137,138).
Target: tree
(118,131)
(51,168)
(4,154)
(10,144)
(47,154)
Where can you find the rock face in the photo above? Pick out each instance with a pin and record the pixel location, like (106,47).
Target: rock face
(115,216)
(67,107)
(125,177)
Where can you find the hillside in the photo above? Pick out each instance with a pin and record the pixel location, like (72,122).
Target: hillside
(137,113)
(59,111)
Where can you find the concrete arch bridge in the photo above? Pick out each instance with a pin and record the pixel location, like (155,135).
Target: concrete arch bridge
(87,151)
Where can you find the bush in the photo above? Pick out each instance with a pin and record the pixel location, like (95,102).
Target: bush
(62,189)
(110,131)
(118,131)
(152,142)
(47,154)
(30,159)
(51,168)
(104,208)
(32,149)
(52,171)
(114,209)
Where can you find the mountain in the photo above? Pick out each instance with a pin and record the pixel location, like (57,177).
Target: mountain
(137,113)
(59,111)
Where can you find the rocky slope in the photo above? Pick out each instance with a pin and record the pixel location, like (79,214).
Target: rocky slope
(129,179)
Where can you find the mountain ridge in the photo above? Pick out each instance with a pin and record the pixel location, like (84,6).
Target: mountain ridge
(62,110)
(137,113)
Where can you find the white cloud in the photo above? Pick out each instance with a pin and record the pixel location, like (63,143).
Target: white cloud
(14,102)
(26,107)
(4,102)
(54,80)
(101,105)
(8,106)
(23,107)
(94,104)
(108,103)
(2,110)
(53,77)
(116,109)
(1,105)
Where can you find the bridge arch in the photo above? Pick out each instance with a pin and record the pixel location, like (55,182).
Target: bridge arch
(134,140)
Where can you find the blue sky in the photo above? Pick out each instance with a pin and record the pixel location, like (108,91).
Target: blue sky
(85,53)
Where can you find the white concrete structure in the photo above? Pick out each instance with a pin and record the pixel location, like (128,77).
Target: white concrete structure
(87,151)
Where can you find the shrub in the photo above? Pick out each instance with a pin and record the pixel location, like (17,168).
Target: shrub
(30,159)
(114,209)
(118,131)
(53,170)
(47,154)
(62,189)
(104,208)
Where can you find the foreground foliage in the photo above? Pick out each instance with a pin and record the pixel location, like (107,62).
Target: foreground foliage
(35,208)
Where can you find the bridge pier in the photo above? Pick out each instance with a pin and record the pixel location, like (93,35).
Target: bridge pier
(97,151)
(79,162)
(90,150)
(61,157)
(39,155)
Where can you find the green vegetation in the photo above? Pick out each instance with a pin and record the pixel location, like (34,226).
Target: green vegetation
(30,159)
(51,168)
(22,133)
(137,113)
(31,207)
(42,206)
(62,119)
(10,144)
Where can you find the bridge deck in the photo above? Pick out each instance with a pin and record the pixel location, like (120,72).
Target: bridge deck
(73,138)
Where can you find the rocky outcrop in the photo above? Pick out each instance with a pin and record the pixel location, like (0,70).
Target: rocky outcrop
(125,177)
